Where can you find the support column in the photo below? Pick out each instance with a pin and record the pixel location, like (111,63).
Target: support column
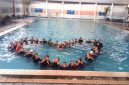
(95,11)
(13,7)
(46,7)
(62,9)
(79,9)
(111,11)
(23,2)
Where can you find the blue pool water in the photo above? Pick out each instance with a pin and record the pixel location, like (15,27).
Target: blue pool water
(115,55)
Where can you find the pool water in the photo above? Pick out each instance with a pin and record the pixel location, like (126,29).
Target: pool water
(114,57)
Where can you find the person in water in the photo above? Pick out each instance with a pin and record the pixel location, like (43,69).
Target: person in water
(32,40)
(36,58)
(80,63)
(19,47)
(72,66)
(80,41)
(65,43)
(68,43)
(56,63)
(50,42)
(60,46)
(36,41)
(44,41)
(11,46)
(45,61)
(88,41)
(73,42)
(21,51)
(25,40)
(56,43)
(99,45)
(90,56)
(30,53)
(76,40)
(15,45)
(64,66)
(95,42)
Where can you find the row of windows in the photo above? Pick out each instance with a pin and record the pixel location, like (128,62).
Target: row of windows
(40,10)
(8,10)
(71,12)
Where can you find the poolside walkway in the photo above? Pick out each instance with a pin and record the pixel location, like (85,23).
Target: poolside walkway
(63,77)
(122,26)
(15,23)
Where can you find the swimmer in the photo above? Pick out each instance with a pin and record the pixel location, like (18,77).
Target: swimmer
(60,46)
(99,45)
(15,45)
(25,40)
(44,41)
(32,40)
(36,41)
(45,61)
(88,41)
(11,46)
(56,43)
(30,53)
(96,50)
(19,47)
(73,42)
(95,42)
(90,56)
(36,57)
(64,66)
(76,40)
(80,40)
(50,42)
(80,63)
(69,43)
(65,43)
(21,51)
(72,66)
(56,62)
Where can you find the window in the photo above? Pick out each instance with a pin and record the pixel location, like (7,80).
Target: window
(39,10)
(70,11)
(17,9)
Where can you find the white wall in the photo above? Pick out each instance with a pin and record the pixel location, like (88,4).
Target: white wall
(119,12)
(37,5)
(87,11)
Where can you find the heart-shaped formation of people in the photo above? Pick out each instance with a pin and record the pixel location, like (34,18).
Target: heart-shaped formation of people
(18,47)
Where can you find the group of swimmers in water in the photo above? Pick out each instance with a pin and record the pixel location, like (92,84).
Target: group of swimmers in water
(17,46)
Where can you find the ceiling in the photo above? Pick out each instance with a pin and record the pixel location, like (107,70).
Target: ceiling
(94,1)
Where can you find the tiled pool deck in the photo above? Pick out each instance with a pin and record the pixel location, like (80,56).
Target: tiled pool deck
(57,77)
(63,77)
(122,26)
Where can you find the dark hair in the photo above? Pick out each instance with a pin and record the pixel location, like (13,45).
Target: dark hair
(80,59)
(64,62)
(58,58)
(47,56)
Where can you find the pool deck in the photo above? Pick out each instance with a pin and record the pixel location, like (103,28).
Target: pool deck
(59,76)
(121,26)
(63,77)
(15,24)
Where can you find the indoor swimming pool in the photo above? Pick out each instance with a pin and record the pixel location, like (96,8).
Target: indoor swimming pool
(114,56)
